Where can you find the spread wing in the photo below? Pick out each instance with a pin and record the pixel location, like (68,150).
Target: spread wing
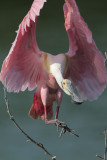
(87,65)
(23,68)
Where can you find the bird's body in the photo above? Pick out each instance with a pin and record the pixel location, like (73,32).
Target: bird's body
(53,65)
(81,68)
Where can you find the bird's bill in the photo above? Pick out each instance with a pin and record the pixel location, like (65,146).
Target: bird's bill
(75,99)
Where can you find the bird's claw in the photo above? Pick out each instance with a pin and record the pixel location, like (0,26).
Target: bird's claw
(64,128)
(58,123)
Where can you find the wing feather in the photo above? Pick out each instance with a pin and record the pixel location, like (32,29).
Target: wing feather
(23,67)
(87,65)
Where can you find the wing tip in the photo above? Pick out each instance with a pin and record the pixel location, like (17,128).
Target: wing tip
(32,15)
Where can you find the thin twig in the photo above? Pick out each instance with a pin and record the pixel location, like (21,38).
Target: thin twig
(105,132)
(99,157)
(26,135)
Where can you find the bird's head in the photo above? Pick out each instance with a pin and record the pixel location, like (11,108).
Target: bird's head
(68,89)
(66,85)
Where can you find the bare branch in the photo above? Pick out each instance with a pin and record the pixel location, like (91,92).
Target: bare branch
(26,135)
(99,157)
(105,132)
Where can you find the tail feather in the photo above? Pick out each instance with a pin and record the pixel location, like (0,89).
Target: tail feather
(32,112)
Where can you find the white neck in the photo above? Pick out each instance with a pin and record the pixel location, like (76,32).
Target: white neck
(59,78)
(57,66)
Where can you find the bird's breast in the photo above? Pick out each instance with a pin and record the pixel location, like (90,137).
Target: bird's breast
(58,63)
(55,63)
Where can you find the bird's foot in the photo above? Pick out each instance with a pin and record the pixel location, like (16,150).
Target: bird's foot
(59,124)
(55,121)
(62,125)
(64,128)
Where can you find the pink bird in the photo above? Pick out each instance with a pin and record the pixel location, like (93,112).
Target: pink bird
(82,68)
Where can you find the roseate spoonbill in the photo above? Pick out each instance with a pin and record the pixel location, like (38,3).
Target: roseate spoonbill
(81,68)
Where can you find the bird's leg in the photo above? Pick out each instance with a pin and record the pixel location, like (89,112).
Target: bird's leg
(57,112)
(58,101)
(55,121)
(46,119)
(59,123)
(44,98)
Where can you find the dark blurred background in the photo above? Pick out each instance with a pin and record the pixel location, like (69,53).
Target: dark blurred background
(89,120)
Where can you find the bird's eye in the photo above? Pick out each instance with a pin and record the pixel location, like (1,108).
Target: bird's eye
(64,83)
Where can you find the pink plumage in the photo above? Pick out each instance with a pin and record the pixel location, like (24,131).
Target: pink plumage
(87,64)
(22,67)
(26,66)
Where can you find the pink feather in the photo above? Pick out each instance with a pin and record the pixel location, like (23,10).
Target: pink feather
(22,67)
(87,65)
